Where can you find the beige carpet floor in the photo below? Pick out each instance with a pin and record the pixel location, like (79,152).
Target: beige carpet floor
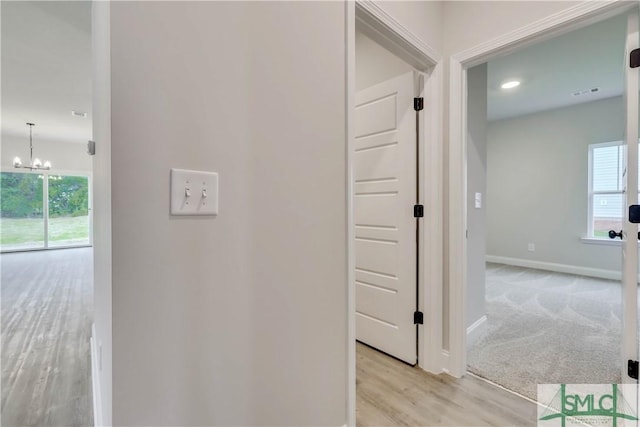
(548,328)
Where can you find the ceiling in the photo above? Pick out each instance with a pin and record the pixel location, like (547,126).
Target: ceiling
(550,72)
(46,69)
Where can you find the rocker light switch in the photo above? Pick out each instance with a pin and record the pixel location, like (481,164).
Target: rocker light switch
(194,192)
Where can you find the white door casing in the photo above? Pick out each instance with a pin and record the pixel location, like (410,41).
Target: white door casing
(630,244)
(385,229)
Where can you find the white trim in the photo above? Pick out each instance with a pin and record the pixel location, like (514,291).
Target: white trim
(381,27)
(629,247)
(601,241)
(95,381)
(102,216)
(431,235)
(444,360)
(457,263)
(476,330)
(350,36)
(581,15)
(555,267)
(585,13)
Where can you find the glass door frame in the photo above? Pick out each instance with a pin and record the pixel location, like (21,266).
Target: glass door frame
(45,206)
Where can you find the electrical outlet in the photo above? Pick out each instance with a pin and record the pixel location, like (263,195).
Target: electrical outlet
(531,247)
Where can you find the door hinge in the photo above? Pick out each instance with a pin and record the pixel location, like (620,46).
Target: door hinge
(632,369)
(418,211)
(634,58)
(418,104)
(418,318)
(634,214)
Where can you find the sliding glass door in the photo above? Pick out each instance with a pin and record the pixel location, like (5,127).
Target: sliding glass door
(68,198)
(44,210)
(22,211)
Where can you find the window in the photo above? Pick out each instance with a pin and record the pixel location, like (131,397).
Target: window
(43,210)
(606,185)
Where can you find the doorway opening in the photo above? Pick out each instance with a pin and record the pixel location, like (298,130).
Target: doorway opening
(545,184)
(46,226)
(386,190)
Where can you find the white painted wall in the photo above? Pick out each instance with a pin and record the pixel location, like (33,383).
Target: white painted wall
(375,64)
(422,18)
(476,183)
(64,156)
(238,319)
(537,171)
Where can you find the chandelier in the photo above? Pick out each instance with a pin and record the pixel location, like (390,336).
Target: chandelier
(34,164)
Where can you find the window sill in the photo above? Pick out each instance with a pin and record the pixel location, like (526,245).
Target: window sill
(601,241)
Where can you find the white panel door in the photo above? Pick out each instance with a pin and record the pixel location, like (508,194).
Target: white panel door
(385,229)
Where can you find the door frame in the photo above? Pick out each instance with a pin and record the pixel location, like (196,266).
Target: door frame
(101,338)
(581,15)
(373,21)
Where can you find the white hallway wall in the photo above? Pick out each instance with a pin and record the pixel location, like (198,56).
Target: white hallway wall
(238,319)
(537,184)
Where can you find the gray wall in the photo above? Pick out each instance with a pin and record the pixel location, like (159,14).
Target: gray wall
(375,64)
(476,183)
(238,319)
(537,171)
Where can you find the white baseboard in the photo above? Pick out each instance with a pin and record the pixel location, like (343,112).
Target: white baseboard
(476,330)
(559,268)
(445,361)
(95,380)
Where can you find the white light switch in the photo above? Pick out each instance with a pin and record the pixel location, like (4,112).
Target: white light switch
(478,200)
(194,192)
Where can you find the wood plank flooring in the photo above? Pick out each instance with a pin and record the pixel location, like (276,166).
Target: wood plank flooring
(46,326)
(391,393)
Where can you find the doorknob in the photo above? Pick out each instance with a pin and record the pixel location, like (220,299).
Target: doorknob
(613,234)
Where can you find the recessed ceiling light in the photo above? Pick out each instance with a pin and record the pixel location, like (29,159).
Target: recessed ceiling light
(79,114)
(510,84)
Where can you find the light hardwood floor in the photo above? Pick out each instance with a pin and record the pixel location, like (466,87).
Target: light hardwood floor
(391,393)
(46,325)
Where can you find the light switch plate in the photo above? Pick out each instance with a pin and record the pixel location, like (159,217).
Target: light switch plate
(194,192)
(478,200)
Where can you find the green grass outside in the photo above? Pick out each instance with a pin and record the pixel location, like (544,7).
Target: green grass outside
(26,232)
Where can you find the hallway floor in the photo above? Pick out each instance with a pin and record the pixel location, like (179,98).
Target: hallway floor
(392,393)
(46,327)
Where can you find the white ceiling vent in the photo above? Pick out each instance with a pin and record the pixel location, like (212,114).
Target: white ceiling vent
(586,91)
